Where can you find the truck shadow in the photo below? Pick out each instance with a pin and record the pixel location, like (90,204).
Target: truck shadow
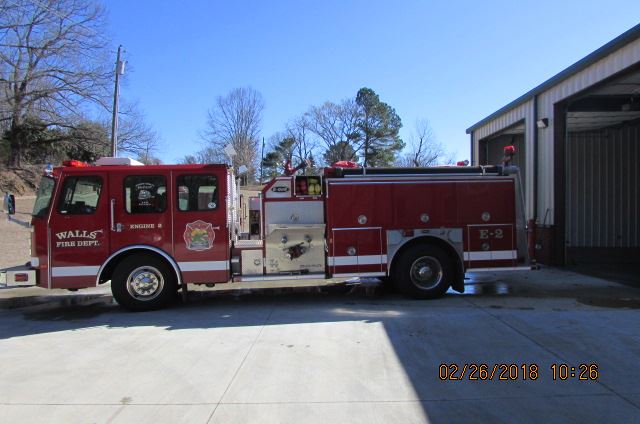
(209,309)
(215,309)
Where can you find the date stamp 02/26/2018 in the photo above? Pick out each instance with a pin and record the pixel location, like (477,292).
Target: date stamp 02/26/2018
(515,372)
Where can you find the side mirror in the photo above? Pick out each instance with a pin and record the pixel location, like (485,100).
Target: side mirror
(11,207)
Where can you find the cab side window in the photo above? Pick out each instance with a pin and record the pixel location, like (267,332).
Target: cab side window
(308,186)
(80,195)
(145,193)
(197,192)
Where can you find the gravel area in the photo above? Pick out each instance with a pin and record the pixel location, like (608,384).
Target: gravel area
(15,233)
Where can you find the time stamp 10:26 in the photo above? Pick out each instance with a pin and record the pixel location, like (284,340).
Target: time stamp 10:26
(513,372)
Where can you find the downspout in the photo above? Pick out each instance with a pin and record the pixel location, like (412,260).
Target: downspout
(471,161)
(533,222)
(535,158)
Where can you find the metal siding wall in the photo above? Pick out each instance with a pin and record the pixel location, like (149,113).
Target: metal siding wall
(519,113)
(492,152)
(604,68)
(506,120)
(603,188)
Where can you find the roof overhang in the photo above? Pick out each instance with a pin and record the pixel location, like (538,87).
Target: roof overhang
(613,45)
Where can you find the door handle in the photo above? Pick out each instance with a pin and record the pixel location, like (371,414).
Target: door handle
(114,227)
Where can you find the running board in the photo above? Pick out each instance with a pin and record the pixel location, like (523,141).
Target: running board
(510,268)
(279,277)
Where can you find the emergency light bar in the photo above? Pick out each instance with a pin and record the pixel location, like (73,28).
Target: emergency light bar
(117,161)
(75,163)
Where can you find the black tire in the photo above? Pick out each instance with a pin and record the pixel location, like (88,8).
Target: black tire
(423,271)
(387,285)
(143,282)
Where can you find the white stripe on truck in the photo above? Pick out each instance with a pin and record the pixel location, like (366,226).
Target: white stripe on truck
(204,266)
(357,260)
(490,255)
(74,271)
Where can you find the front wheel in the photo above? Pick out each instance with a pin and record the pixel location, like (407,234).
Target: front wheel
(143,282)
(423,272)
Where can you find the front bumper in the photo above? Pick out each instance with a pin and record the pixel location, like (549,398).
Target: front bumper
(18,276)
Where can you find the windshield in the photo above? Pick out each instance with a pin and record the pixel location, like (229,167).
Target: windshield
(43,199)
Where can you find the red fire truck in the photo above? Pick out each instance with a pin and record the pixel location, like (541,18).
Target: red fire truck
(153,230)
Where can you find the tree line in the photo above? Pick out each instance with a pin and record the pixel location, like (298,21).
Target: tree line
(362,129)
(56,82)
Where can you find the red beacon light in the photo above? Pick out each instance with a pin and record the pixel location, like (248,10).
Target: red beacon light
(510,150)
(75,163)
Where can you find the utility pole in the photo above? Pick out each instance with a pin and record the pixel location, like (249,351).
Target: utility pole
(116,95)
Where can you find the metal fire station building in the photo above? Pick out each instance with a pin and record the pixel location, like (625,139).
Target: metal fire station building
(578,141)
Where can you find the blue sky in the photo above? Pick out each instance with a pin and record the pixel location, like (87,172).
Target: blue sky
(451,62)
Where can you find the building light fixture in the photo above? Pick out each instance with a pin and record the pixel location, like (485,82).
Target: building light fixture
(542,123)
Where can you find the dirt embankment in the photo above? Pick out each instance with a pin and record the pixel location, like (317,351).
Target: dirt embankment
(15,234)
(20,181)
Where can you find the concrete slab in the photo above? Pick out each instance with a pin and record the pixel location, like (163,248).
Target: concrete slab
(316,357)
(112,414)
(391,354)
(547,409)
(602,337)
(159,357)
(321,413)
(551,409)
(634,398)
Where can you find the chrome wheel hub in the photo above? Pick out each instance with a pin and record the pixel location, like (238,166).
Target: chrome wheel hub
(145,283)
(426,272)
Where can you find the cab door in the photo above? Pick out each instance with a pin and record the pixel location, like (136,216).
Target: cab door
(79,231)
(140,209)
(200,226)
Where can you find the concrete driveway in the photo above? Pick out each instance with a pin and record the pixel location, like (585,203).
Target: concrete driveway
(318,357)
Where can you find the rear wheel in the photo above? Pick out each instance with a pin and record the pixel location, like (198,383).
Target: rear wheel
(423,272)
(143,282)
(387,285)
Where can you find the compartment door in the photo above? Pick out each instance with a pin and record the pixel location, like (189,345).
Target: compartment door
(490,246)
(357,252)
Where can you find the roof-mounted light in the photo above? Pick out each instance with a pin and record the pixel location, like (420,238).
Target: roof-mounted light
(117,161)
(75,163)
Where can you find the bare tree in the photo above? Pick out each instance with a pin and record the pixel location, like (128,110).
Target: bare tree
(299,129)
(205,155)
(52,62)
(337,127)
(235,119)
(135,136)
(423,148)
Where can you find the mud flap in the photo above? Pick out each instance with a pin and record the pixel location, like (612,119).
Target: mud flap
(184,291)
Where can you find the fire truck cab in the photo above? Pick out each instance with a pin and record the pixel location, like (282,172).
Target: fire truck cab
(153,230)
